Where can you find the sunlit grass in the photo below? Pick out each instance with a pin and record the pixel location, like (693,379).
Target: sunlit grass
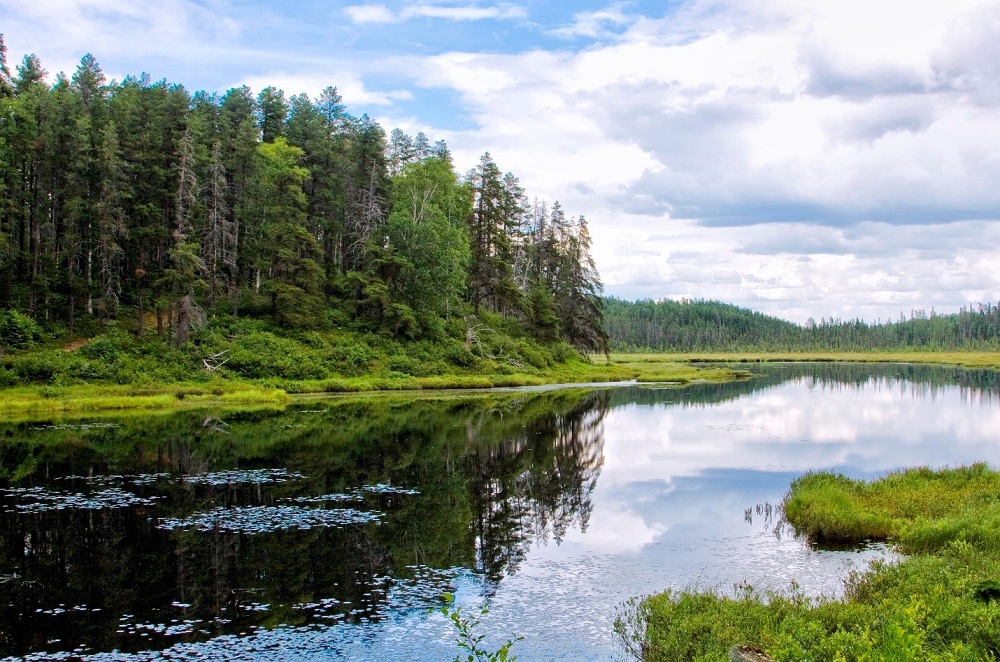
(30,401)
(578,373)
(23,401)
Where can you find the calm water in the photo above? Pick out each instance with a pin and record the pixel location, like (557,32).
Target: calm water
(331,530)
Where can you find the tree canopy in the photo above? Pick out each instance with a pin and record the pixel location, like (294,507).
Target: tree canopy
(137,201)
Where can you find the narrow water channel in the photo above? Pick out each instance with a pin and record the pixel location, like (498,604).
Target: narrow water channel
(335,528)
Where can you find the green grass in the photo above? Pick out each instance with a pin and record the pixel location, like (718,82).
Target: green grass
(940,603)
(918,509)
(259,362)
(30,402)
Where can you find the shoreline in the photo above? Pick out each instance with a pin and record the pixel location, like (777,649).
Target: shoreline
(675,369)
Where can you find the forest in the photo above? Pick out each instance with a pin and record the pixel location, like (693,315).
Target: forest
(136,205)
(685,326)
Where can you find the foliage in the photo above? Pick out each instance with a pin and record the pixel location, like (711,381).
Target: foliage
(17,330)
(471,641)
(135,201)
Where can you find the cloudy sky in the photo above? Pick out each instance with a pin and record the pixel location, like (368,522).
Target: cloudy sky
(798,157)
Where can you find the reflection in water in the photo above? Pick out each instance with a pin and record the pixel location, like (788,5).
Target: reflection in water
(148,532)
(534,484)
(332,529)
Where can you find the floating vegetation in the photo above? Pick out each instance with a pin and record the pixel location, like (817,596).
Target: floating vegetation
(381,488)
(212,478)
(175,628)
(148,479)
(104,479)
(241,476)
(356,494)
(267,519)
(43,500)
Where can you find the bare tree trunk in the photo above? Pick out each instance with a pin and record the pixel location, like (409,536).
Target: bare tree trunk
(183,320)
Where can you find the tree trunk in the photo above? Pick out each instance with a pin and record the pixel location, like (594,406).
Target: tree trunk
(183,320)
(142,314)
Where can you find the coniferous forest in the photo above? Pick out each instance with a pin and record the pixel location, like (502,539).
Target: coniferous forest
(692,326)
(136,205)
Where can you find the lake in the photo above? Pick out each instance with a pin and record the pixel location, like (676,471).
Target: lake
(335,528)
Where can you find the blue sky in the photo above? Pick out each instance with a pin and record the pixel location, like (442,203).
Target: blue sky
(800,157)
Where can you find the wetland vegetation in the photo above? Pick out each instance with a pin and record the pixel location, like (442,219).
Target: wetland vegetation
(942,602)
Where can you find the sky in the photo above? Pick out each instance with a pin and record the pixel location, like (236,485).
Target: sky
(803,158)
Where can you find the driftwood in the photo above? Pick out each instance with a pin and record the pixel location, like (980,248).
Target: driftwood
(749,653)
(215,361)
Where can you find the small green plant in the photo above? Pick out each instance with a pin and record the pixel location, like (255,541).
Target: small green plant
(469,640)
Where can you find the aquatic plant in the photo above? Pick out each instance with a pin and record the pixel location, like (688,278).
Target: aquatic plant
(468,639)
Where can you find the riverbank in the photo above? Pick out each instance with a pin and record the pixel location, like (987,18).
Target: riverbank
(115,372)
(30,401)
(940,603)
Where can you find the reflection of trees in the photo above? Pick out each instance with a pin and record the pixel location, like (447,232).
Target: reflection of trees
(530,460)
(534,483)
(920,380)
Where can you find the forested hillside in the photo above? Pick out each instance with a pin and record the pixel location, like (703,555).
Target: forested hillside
(139,205)
(686,326)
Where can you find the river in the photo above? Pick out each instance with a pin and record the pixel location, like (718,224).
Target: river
(337,527)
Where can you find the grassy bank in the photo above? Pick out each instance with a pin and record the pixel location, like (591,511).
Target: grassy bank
(27,402)
(941,603)
(247,361)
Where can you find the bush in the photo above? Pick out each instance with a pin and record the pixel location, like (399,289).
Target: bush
(18,330)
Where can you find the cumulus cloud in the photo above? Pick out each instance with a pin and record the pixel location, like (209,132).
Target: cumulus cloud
(370,14)
(790,115)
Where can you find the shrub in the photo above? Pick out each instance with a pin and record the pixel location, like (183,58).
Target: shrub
(17,330)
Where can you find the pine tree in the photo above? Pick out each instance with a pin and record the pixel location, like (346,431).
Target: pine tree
(111,227)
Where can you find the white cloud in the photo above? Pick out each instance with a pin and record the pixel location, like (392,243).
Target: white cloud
(370,14)
(383,14)
(592,24)
(350,87)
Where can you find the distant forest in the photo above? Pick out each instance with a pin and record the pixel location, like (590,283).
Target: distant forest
(689,326)
(138,202)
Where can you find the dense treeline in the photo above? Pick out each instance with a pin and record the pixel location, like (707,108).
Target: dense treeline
(138,202)
(714,326)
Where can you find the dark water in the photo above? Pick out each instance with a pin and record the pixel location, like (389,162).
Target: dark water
(332,530)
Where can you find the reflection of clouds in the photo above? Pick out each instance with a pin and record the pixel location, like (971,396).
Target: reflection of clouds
(671,470)
(614,528)
(799,427)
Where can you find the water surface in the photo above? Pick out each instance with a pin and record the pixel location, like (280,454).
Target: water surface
(333,529)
